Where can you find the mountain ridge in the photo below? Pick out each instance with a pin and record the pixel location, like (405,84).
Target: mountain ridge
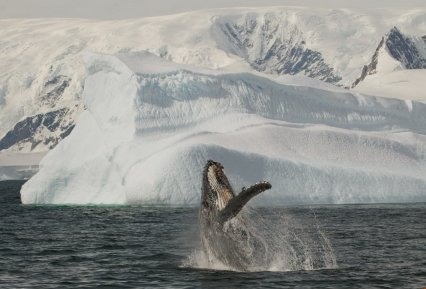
(50,76)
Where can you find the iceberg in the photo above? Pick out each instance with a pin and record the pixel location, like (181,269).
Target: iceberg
(150,125)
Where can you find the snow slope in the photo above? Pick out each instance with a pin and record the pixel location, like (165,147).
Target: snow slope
(403,84)
(150,126)
(43,72)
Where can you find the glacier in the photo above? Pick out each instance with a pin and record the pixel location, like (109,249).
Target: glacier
(150,125)
(325,44)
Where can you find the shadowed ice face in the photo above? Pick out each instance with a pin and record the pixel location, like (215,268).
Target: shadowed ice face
(217,190)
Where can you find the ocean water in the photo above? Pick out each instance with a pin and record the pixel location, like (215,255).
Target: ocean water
(371,246)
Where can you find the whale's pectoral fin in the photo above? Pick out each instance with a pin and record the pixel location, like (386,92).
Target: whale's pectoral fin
(238,202)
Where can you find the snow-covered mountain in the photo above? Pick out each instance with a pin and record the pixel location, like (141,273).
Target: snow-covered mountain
(150,125)
(43,130)
(43,79)
(272,43)
(396,52)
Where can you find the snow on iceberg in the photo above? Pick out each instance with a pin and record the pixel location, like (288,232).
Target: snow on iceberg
(150,126)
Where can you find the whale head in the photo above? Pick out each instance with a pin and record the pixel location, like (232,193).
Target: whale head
(217,191)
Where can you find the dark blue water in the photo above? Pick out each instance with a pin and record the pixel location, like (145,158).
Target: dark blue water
(376,246)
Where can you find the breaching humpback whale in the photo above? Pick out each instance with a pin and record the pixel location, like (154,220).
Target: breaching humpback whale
(225,235)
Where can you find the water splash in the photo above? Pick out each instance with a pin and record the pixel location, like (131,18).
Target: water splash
(282,243)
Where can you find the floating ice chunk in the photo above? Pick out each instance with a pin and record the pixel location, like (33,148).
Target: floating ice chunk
(149,129)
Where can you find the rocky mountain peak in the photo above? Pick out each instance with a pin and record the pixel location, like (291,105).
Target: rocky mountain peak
(273,46)
(399,47)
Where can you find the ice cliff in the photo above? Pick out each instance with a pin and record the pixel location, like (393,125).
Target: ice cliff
(150,125)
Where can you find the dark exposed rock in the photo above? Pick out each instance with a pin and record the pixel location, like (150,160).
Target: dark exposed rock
(53,89)
(27,130)
(372,66)
(66,131)
(294,60)
(44,128)
(22,130)
(403,49)
(278,55)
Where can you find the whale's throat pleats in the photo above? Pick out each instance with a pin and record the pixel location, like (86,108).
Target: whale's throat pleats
(224,193)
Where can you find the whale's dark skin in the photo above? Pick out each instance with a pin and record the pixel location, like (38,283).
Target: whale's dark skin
(224,236)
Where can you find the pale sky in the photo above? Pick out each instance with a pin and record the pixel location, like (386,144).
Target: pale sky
(118,9)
